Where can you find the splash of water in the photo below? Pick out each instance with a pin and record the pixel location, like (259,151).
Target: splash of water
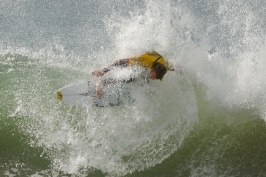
(116,140)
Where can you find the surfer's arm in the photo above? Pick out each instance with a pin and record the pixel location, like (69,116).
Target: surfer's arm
(120,63)
(117,63)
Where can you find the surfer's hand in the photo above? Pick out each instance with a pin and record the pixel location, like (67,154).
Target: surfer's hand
(98,73)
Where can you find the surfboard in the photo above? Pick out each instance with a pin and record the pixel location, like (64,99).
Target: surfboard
(78,94)
(83,94)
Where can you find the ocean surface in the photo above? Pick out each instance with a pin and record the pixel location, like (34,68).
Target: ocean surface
(206,119)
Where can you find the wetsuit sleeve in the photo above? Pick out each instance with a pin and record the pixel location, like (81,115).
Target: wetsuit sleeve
(114,81)
(117,63)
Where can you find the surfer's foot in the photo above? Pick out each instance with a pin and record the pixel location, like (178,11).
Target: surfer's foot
(99,88)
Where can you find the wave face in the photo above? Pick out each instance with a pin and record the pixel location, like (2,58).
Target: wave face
(207,121)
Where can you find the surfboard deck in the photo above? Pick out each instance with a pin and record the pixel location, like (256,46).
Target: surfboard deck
(84,94)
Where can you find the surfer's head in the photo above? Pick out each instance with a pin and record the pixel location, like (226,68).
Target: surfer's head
(158,70)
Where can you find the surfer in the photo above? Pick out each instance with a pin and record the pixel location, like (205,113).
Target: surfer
(152,61)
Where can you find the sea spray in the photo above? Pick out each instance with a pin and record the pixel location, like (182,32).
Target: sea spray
(116,140)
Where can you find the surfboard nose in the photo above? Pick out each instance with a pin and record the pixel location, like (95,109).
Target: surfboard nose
(59,95)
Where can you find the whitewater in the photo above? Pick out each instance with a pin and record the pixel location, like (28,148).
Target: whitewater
(206,118)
